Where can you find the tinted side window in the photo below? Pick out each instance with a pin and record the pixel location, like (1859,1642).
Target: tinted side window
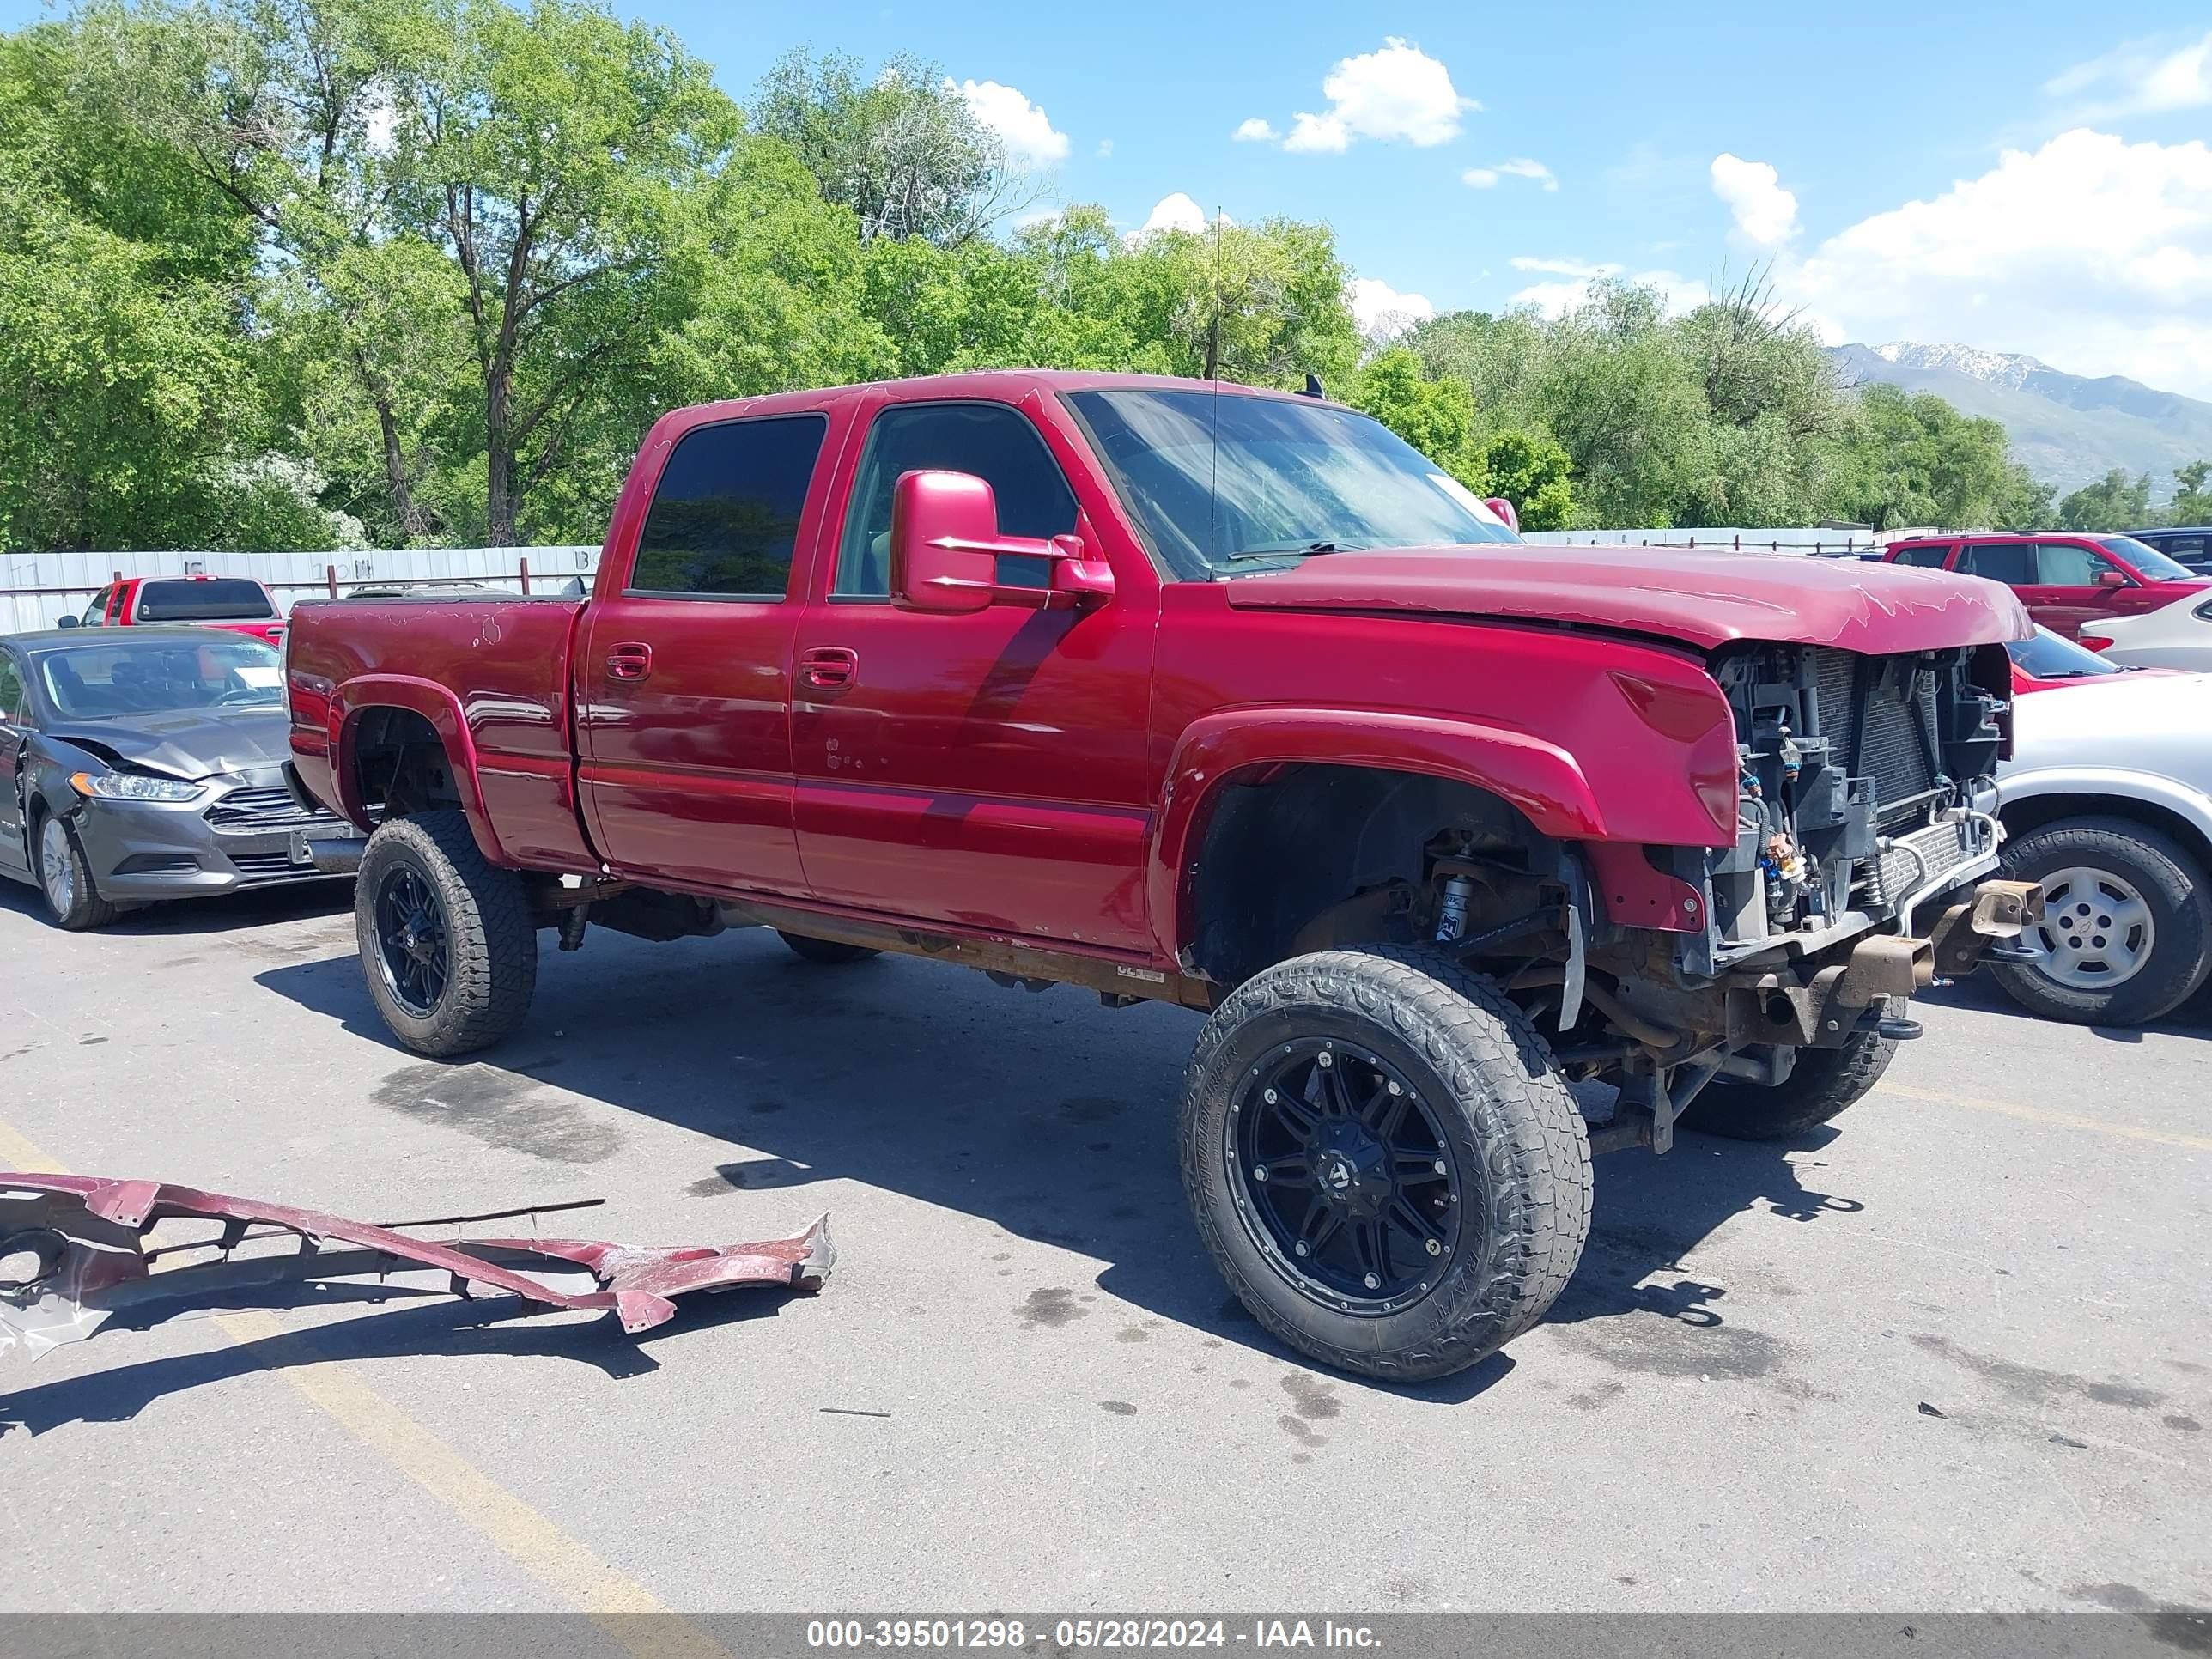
(724,515)
(1928,558)
(11,690)
(2010,563)
(993,442)
(2061,564)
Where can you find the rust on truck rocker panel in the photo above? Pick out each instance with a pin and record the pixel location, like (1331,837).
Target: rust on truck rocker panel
(76,1249)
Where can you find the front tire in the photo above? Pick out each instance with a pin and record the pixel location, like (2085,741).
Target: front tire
(2127,929)
(827,952)
(1822,1082)
(73,903)
(1426,1184)
(448,945)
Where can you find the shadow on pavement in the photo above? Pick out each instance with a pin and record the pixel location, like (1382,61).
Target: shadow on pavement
(1983,995)
(221,912)
(427,1323)
(899,1075)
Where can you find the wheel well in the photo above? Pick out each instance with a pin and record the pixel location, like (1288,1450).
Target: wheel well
(2037,811)
(400,766)
(1303,858)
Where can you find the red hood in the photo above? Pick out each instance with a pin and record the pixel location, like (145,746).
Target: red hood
(1705,599)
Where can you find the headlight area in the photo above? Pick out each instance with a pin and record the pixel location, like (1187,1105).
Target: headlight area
(134,785)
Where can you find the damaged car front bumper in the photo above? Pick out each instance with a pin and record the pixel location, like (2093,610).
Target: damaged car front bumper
(76,1250)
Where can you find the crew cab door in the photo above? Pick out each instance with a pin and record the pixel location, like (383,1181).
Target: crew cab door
(2074,585)
(987,769)
(682,680)
(14,742)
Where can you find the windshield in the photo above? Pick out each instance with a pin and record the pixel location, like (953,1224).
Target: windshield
(2147,559)
(219,599)
(1288,478)
(161,676)
(2050,657)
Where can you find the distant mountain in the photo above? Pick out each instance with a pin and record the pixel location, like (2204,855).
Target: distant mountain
(2066,429)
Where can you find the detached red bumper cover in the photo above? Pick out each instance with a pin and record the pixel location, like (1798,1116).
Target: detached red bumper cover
(75,1249)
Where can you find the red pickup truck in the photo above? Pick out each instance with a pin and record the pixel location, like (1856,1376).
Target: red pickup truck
(237,603)
(1230,698)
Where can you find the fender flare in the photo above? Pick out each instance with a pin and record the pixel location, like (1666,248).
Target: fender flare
(2192,806)
(435,703)
(1540,779)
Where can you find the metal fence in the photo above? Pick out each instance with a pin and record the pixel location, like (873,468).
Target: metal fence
(1821,542)
(38,588)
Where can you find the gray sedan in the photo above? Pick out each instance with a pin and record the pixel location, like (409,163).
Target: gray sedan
(144,764)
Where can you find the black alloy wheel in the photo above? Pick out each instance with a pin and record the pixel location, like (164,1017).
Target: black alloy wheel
(1348,1184)
(412,945)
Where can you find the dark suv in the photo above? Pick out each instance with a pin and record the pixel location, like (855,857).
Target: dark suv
(2188,545)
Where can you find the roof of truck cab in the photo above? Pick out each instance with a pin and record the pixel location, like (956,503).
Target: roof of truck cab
(996,384)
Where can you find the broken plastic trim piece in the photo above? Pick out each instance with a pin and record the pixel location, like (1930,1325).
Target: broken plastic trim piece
(75,1249)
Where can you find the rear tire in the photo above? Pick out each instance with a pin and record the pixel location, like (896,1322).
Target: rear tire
(828,952)
(1822,1082)
(2121,871)
(73,903)
(448,947)
(1501,1220)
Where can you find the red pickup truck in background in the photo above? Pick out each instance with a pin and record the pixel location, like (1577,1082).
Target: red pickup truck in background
(238,604)
(1183,691)
(2064,581)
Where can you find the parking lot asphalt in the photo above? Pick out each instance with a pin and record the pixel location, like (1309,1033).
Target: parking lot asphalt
(1955,1354)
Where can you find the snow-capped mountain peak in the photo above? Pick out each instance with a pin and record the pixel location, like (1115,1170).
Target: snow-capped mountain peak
(2004,368)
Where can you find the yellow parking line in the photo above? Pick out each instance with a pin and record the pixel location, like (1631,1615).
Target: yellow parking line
(624,1609)
(2057,1120)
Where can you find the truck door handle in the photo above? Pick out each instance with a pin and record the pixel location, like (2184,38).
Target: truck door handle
(829,667)
(629,662)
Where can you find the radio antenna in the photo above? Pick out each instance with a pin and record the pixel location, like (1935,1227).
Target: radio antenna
(1213,375)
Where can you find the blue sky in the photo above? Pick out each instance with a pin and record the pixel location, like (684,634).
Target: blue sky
(2030,176)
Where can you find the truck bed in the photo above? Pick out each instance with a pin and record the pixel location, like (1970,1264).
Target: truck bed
(494,670)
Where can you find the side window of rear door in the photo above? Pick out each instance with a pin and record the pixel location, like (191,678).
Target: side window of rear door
(726,513)
(1927,558)
(994,442)
(2012,563)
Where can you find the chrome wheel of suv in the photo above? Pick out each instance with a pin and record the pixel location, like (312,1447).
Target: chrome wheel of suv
(2096,932)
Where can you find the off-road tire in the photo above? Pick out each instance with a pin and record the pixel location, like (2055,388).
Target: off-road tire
(87,909)
(1822,1082)
(826,952)
(2171,881)
(490,937)
(1516,1134)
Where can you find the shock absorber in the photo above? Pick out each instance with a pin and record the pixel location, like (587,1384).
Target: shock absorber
(1451,920)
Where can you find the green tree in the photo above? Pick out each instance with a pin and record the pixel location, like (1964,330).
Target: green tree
(1912,459)
(134,417)
(1531,472)
(900,150)
(2115,502)
(2192,503)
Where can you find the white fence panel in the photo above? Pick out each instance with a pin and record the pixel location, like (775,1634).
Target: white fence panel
(37,588)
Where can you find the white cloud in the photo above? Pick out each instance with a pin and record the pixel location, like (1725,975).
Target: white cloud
(1519,167)
(1765,213)
(1397,92)
(1576,277)
(1175,212)
(1381,311)
(1105,151)
(1257,130)
(1023,128)
(2140,77)
(2092,254)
